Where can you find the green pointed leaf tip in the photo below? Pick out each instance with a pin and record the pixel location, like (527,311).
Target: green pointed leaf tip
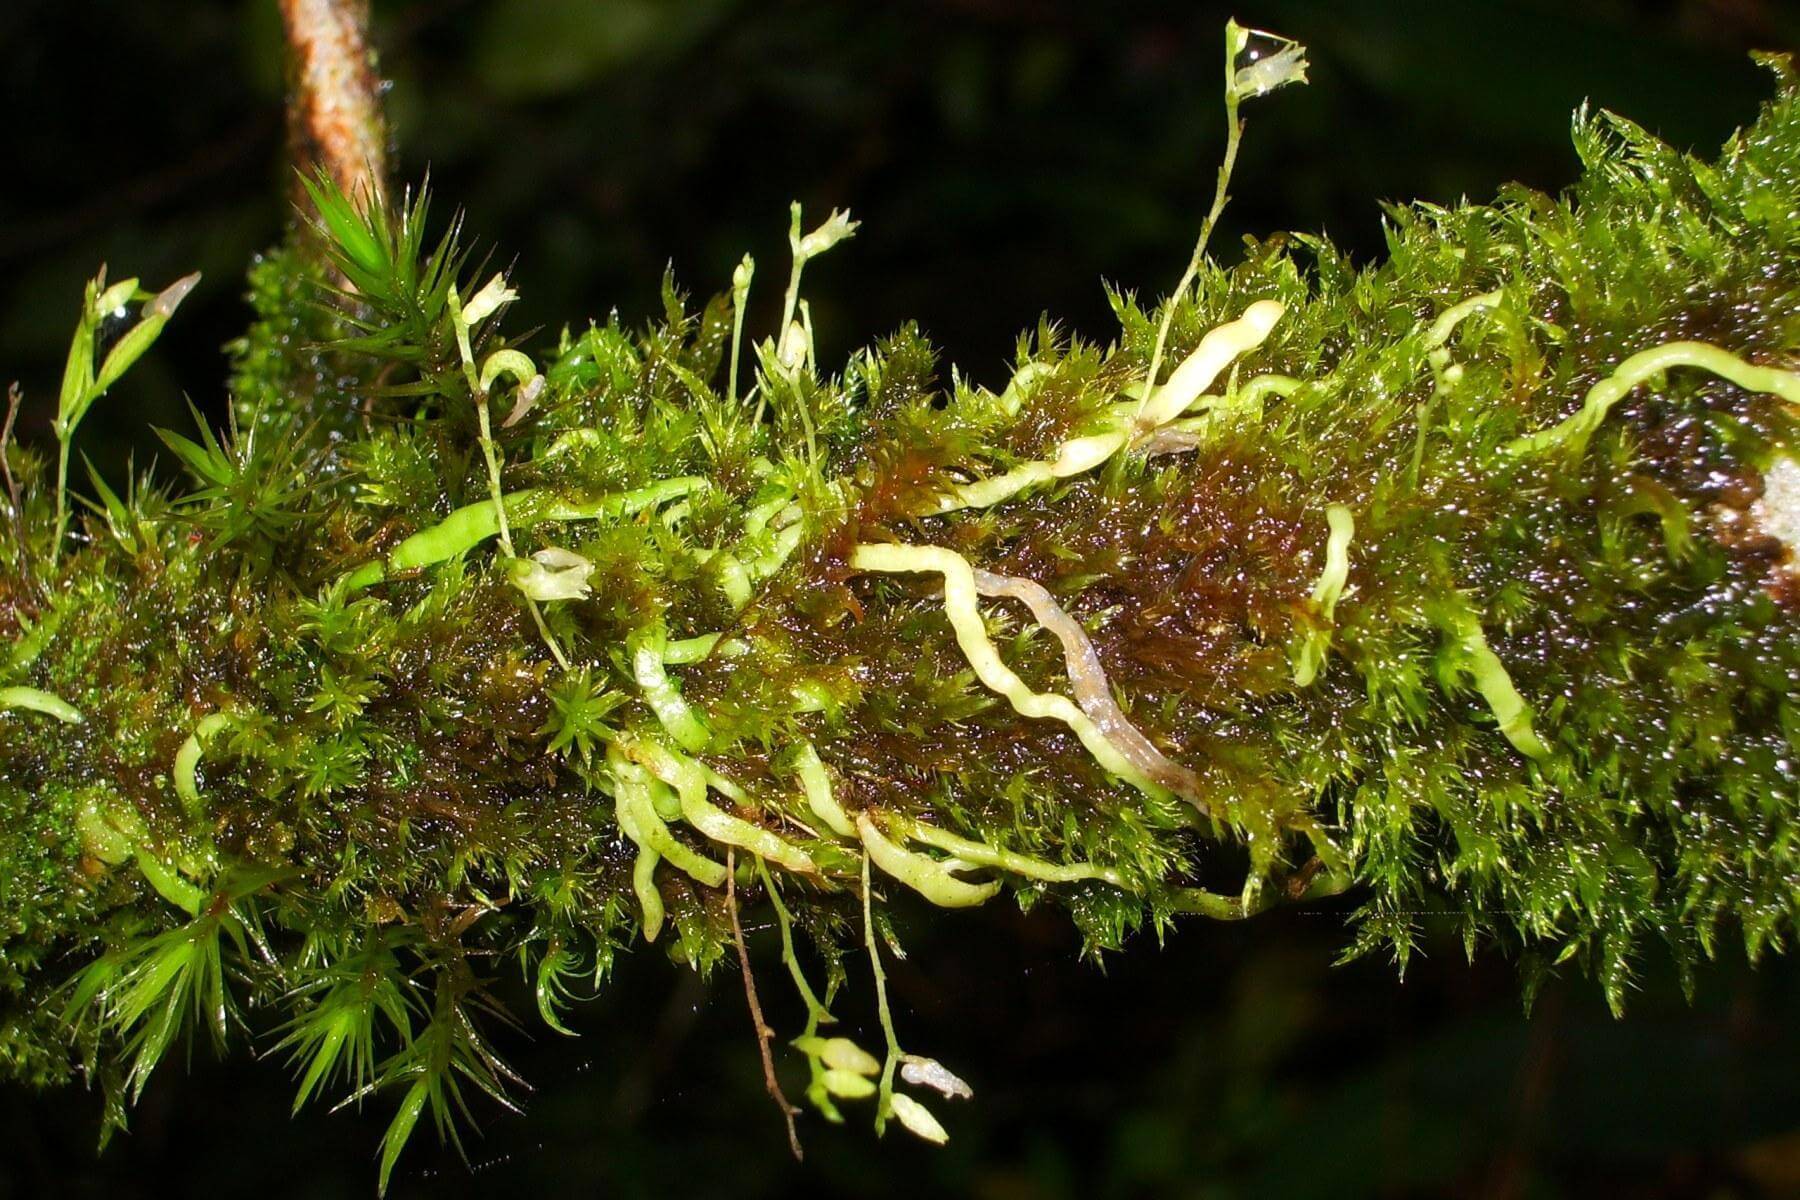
(1550,643)
(353,228)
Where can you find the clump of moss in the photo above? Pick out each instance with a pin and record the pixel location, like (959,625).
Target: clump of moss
(462,652)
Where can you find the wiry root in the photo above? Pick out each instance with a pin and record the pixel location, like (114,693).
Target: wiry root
(473,524)
(691,780)
(1087,679)
(1646,365)
(927,876)
(1160,405)
(983,855)
(1471,656)
(1216,351)
(1325,593)
(1190,433)
(36,700)
(960,594)
(816,783)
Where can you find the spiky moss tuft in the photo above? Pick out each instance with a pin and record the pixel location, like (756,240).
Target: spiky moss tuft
(1555,697)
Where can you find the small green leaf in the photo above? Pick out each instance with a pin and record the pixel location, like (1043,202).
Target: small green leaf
(118,516)
(204,461)
(128,350)
(169,884)
(78,371)
(344,223)
(400,1129)
(551,991)
(848,1085)
(115,297)
(101,837)
(506,362)
(918,1119)
(340,1023)
(842,1054)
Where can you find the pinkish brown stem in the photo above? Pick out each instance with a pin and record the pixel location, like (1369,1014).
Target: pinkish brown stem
(334,106)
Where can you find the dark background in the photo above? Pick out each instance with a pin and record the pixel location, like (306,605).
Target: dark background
(1005,156)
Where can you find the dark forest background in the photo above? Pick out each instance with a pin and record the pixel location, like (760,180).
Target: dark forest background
(1006,156)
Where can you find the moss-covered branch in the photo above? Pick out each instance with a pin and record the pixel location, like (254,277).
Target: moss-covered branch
(1448,583)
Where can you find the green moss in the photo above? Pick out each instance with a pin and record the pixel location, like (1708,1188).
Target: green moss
(1552,695)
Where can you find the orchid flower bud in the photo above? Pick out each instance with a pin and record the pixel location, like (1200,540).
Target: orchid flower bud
(551,574)
(1282,63)
(527,399)
(165,302)
(487,301)
(838,227)
(792,353)
(112,300)
(929,1072)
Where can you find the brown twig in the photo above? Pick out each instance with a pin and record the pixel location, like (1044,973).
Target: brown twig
(14,398)
(764,1035)
(334,105)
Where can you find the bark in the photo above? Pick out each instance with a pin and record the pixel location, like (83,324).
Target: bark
(334,94)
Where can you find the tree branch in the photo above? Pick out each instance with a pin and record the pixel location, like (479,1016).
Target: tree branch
(334,103)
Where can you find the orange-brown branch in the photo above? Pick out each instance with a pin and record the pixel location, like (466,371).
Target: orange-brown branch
(334,108)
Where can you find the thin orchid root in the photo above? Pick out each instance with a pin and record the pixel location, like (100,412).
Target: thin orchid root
(960,594)
(1160,405)
(1087,679)
(1646,365)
